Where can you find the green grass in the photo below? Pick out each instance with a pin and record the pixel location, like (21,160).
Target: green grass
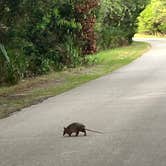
(32,91)
(141,35)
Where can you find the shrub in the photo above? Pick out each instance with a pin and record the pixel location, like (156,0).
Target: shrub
(12,67)
(117,22)
(153,19)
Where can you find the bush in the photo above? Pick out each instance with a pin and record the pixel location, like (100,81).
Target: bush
(152,19)
(42,36)
(117,22)
(12,67)
(111,37)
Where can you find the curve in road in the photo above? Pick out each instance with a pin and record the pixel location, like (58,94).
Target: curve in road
(127,105)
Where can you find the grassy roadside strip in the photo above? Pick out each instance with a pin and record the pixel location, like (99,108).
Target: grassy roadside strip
(140,35)
(32,91)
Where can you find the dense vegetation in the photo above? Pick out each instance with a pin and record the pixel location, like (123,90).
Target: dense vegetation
(38,36)
(117,23)
(153,19)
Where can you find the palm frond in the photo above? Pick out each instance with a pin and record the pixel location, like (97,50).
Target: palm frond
(4,53)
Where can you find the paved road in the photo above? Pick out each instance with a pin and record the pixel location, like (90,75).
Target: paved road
(129,105)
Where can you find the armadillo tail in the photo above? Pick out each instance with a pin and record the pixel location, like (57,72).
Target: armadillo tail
(94,131)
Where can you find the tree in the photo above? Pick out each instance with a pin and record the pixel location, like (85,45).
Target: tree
(45,35)
(117,21)
(153,19)
(87,18)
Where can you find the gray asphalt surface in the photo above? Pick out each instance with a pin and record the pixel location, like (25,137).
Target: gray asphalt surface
(129,106)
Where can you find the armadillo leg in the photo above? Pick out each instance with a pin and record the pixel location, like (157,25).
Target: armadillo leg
(77,133)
